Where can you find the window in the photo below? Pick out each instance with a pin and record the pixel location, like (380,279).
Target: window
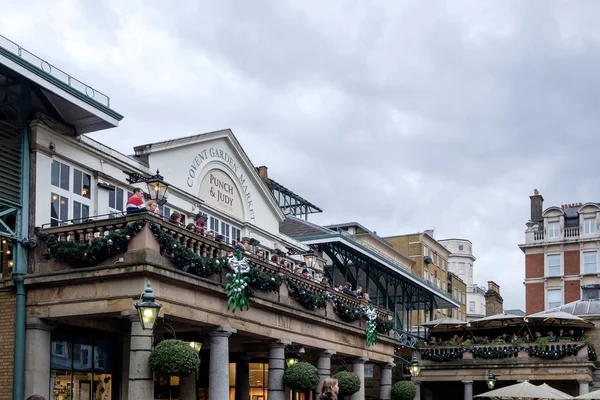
(553,264)
(368,370)
(81,212)
(81,183)
(553,230)
(589,226)
(471,306)
(554,298)
(425,274)
(456,293)
(59,210)
(116,200)
(218,227)
(438,283)
(424,251)
(590,262)
(60,175)
(461,268)
(165,211)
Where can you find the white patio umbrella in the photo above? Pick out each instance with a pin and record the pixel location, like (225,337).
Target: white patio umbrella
(498,320)
(558,318)
(555,391)
(523,390)
(591,395)
(444,323)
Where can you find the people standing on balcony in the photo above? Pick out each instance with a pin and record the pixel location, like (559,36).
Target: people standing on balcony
(135,204)
(348,290)
(153,208)
(175,218)
(366,297)
(359,292)
(329,389)
(200,224)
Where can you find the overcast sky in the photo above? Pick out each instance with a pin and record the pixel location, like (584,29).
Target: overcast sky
(400,115)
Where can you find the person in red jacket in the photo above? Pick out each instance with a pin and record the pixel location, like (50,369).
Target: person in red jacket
(135,204)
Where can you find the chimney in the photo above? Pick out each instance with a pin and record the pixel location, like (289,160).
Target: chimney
(537,206)
(263,172)
(590,292)
(494,304)
(430,232)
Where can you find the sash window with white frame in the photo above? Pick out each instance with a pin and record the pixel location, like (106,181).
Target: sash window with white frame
(116,201)
(554,297)
(589,226)
(590,262)
(70,199)
(553,261)
(218,227)
(553,229)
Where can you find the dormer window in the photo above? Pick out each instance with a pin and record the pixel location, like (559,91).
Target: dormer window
(589,226)
(553,229)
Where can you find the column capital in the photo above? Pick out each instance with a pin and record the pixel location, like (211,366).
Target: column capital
(360,360)
(280,344)
(388,365)
(34,323)
(326,353)
(222,331)
(467,382)
(418,383)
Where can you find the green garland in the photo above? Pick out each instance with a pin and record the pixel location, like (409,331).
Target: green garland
(264,281)
(442,354)
(308,299)
(184,258)
(382,326)
(554,352)
(87,254)
(346,311)
(494,352)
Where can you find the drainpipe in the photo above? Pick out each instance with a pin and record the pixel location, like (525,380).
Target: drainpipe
(20,264)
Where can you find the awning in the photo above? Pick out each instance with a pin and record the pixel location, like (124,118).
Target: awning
(523,390)
(558,318)
(446,323)
(498,320)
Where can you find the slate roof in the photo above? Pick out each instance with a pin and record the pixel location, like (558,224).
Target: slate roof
(515,311)
(298,228)
(589,306)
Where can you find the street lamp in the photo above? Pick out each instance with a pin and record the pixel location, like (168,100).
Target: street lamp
(147,308)
(291,361)
(196,346)
(311,260)
(491,381)
(415,367)
(157,188)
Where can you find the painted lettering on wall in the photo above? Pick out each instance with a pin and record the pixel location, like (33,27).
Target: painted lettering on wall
(222,191)
(223,156)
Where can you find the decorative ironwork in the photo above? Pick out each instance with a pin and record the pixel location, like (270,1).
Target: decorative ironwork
(292,204)
(49,69)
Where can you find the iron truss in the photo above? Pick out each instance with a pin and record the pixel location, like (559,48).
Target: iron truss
(292,204)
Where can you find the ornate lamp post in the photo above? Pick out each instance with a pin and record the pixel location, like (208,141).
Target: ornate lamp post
(147,308)
(157,188)
(415,367)
(491,381)
(311,260)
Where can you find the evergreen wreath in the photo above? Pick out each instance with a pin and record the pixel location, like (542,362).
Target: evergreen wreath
(80,253)
(346,311)
(308,299)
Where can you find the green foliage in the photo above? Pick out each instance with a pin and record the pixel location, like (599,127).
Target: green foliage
(517,342)
(542,341)
(442,354)
(498,341)
(467,343)
(81,253)
(383,327)
(308,299)
(404,390)
(264,281)
(184,258)
(302,377)
(237,291)
(553,352)
(494,352)
(174,357)
(348,382)
(346,311)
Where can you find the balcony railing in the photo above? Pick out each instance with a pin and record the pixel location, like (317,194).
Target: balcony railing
(567,233)
(201,245)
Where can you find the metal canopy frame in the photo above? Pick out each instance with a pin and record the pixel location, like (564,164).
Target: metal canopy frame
(291,203)
(396,289)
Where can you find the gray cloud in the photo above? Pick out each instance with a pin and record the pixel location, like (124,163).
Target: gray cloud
(403,116)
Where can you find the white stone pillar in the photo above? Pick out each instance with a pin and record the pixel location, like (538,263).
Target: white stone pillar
(276,389)
(141,381)
(218,378)
(418,392)
(358,367)
(187,387)
(468,389)
(324,366)
(242,378)
(385,381)
(37,357)
(584,387)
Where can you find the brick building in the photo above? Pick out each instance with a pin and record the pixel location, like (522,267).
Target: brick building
(561,253)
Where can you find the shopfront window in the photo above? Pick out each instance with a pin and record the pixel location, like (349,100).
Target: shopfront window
(80,367)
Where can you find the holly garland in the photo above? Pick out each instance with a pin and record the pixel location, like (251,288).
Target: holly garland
(371,330)
(81,253)
(308,299)
(237,289)
(494,352)
(449,355)
(346,311)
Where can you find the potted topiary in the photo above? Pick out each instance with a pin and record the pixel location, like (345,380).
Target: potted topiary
(404,390)
(301,377)
(348,382)
(174,357)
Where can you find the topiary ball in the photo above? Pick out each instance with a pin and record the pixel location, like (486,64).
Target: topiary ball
(174,357)
(404,390)
(302,377)
(348,382)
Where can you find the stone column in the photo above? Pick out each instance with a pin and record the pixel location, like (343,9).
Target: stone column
(324,366)
(584,387)
(468,390)
(385,381)
(218,376)
(418,392)
(242,378)
(276,366)
(187,387)
(141,382)
(37,357)
(358,367)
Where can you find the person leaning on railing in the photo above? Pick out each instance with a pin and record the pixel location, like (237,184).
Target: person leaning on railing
(135,204)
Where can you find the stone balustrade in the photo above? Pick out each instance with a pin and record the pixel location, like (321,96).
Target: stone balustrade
(201,245)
